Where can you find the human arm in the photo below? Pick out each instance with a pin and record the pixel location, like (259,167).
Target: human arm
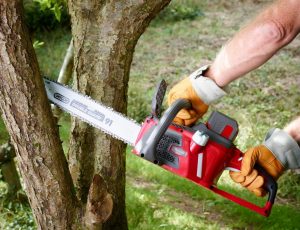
(251,47)
(256,43)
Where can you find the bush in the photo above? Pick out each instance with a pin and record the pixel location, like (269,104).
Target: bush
(40,16)
(178,12)
(289,186)
(139,105)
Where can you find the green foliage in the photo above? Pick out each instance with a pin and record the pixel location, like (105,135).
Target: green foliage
(37,44)
(289,186)
(4,137)
(55,6)
(46,14)
(139,106)
(180,10)
(14,214)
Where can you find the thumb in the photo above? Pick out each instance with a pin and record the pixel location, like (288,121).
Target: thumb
(178,121)
(249,160)
(184,114)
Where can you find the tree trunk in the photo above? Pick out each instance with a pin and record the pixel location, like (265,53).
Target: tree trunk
(105,34)
(33,130)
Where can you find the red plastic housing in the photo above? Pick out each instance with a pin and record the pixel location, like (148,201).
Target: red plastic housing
(204,164)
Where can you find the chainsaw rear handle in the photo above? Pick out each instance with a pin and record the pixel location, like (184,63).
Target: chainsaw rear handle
(269,183)
(149,149)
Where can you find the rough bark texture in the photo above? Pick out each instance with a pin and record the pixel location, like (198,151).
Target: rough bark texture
(27,115)
(105,34)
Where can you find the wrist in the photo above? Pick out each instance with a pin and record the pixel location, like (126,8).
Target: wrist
(205,87)
(212,74)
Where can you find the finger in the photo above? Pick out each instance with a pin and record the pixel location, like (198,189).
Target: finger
(259,192)
(191,121)
(257,183)
(250,178)
(178,121)
(199,106)
(184,114)
(249,160)
(237,177)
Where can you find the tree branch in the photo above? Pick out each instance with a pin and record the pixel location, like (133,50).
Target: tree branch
(65,74)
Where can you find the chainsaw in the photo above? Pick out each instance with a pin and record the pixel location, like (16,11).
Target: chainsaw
(200,153)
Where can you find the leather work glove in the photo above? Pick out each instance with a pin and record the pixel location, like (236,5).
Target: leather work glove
(278,153)
(200,91)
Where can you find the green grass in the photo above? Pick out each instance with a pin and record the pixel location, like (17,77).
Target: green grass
(267,97)
(51,53)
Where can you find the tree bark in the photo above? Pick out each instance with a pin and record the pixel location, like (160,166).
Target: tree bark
(105,34)
(33,130)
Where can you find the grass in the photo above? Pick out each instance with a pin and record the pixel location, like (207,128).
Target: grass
(267,97)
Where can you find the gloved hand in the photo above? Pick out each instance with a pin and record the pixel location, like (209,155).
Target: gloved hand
(200,91)
(185,90)
(278,153)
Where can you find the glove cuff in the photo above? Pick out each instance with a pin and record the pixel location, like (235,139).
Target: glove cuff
(283,147)
(205,87)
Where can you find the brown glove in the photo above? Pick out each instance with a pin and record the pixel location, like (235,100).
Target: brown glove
(185,90)
(249,178)
(278,152)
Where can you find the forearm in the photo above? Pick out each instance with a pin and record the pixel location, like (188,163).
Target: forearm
(251,47)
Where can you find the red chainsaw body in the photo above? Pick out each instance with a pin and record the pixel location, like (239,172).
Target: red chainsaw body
(200,164)
(213,157)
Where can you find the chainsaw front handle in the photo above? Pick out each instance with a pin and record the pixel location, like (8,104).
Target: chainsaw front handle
(149,143)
